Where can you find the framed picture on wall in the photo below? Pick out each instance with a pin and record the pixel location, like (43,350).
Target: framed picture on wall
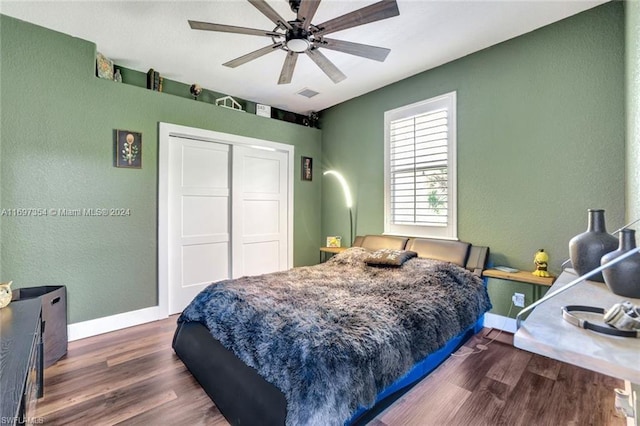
(307,168)
(128,149)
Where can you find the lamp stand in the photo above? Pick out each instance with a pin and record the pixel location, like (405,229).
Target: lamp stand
(351,237)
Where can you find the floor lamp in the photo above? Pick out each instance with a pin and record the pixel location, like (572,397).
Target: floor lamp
(347,197)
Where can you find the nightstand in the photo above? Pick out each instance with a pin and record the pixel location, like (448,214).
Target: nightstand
(522,276)
(327,252)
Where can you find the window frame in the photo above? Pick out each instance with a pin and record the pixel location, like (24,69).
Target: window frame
(450,231)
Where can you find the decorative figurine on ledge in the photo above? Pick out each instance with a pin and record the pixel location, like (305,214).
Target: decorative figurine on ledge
(541,259)
(5,294)
(195,90)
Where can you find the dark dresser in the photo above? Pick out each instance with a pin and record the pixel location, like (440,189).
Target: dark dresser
(21,360)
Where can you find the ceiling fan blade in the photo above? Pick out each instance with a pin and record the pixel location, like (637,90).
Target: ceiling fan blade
(326,66)
(287,68)
(366,51)
(382,10)
(306,11)
(207,26)
(268,11)
(253,55)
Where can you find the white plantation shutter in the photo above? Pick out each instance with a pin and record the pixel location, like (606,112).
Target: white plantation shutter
(420,169)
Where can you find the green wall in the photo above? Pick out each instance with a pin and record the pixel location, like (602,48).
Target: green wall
(540,140)
(56,151)
(632,60)
(541,130)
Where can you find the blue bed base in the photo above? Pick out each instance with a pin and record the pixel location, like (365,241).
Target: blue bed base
(423,368)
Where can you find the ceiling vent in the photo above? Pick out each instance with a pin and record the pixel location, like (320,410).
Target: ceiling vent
(308,93)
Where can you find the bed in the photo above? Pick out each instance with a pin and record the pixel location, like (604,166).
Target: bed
(332,343)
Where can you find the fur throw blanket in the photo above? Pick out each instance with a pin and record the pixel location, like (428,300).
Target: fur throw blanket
(334,335)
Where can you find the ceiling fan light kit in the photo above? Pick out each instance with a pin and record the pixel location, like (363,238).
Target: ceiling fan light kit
(298,45)
(300,36)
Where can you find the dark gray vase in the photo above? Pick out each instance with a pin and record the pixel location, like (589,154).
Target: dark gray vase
(623,278)
(586,249)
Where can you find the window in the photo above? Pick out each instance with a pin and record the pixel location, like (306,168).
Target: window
(420,168)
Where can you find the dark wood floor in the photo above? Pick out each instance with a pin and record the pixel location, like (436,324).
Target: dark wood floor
(132,377)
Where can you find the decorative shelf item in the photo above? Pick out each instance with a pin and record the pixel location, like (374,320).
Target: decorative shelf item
(541,260)
(263,110)
(154,81)
(229,102)
(195,90)
(334,241)
(104,67)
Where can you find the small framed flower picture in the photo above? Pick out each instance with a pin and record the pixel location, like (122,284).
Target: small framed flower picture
(128,149)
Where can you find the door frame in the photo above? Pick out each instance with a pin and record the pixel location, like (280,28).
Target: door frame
(165,132)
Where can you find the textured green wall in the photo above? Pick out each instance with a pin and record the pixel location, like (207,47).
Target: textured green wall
(632,60)
(540,140)
(56,151)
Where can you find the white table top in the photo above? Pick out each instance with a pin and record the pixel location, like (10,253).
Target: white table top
(545,332)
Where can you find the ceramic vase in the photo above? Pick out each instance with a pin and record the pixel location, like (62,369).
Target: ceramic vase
(623,278)
(586,249)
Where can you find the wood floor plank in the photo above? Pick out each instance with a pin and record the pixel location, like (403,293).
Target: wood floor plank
(132,377)
(483,405)
(426,404)
(476,366)
(527,401)
(509,369)
(544,366)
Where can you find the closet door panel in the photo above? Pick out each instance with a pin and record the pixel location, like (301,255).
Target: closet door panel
(199,224)
(260,197)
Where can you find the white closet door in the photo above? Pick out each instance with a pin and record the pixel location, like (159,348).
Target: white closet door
(260,197)
(199,223)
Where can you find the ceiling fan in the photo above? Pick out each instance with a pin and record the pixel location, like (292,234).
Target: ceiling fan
(301,36)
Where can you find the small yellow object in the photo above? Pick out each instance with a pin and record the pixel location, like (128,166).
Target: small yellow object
(541,259)
(5,294)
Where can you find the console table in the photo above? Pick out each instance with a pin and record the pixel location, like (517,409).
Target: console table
(21,360)
(545,332)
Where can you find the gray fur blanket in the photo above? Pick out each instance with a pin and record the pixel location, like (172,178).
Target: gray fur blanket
(334,335)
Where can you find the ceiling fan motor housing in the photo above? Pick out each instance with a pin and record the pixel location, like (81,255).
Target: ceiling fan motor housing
(297,38)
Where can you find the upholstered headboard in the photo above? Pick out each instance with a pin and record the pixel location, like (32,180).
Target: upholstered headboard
(473,258)
(376,242)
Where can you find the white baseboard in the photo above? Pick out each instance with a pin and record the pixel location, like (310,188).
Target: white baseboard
(81,330)
(500,322)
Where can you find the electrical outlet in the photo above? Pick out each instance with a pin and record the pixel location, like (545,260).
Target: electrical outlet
(518,300)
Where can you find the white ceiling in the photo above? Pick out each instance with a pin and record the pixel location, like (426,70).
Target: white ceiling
(155,34)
